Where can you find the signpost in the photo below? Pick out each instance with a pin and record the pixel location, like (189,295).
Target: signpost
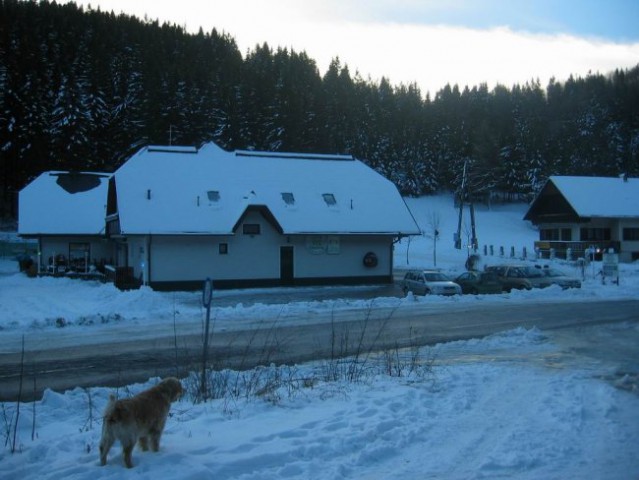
(207,293)
(610,267)
(591,257)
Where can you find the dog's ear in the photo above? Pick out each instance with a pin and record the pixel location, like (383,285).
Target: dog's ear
(173,388)
(177,390)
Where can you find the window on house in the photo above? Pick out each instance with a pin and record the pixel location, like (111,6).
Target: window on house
(549,234)
(566,234)
(595,234)
(631,234)
(288,198)
(251,229)
(213,195)
(329,198)
(223,248)
(79,256)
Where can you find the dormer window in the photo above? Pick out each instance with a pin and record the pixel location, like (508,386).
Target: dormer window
(213,195)
(288,198)
(329,198)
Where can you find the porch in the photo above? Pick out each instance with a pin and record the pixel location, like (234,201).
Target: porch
(574,250)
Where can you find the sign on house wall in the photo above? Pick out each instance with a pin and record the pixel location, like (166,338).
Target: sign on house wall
(320,244)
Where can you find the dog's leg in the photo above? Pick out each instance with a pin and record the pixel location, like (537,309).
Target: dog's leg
(106,442)
(156,433)
(127,450)
(155,440)
(144,443)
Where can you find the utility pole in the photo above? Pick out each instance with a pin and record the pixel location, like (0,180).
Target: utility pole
(465,195)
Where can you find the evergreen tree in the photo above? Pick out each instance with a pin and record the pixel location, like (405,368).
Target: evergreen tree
(85,89)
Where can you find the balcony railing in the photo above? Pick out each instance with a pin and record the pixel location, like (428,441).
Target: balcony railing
(574,250)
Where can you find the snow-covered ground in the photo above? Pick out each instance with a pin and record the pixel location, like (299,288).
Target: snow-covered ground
(506,406)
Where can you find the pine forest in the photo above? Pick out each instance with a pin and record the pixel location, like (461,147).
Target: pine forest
(85,89)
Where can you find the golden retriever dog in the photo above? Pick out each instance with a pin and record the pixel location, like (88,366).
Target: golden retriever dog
(138,419)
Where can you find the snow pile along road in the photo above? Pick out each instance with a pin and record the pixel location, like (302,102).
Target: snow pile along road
(525,417)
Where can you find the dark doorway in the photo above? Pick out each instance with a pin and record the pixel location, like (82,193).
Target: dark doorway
(286,265)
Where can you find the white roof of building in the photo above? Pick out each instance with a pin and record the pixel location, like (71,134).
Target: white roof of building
(172,190)
(64,203)
(608,197)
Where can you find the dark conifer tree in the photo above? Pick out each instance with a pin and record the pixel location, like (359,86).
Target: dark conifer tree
(85,89)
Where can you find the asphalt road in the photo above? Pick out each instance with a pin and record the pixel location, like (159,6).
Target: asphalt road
(72,362)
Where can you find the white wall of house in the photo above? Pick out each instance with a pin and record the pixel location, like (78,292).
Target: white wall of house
(248,257)
(136,252)
(342,255)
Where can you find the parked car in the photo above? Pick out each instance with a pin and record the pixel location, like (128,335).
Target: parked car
(557,277)
(520,277)
(425,282)
(474,282)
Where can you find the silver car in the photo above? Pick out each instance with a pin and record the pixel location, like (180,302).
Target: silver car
(425,282)
(558,277)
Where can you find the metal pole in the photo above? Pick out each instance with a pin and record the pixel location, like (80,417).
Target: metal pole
(206,301)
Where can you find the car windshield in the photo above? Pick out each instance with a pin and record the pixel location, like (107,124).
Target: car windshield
(435,277)
(532,272)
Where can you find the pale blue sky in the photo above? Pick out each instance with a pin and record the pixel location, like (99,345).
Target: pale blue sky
(430,42)
(617,20)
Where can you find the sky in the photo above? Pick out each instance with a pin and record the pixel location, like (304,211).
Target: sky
(429,42)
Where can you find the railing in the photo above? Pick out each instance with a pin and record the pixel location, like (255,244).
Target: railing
(574,250)
(122,277)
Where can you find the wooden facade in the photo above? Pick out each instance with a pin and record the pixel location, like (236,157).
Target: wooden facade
(578,215)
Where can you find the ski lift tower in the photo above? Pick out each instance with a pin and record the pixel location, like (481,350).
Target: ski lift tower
(465,196)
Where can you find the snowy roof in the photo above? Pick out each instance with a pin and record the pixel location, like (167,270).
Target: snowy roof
(64,203)
(608,197)
(173,190)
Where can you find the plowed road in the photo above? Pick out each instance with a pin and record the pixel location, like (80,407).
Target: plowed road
(121,354)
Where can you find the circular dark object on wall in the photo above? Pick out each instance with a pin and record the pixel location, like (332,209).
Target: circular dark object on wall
(370,260)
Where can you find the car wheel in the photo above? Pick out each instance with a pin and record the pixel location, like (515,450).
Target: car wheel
(427,292)
(405,290)
(474,291)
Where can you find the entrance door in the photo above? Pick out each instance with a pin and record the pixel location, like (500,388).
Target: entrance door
(286,265)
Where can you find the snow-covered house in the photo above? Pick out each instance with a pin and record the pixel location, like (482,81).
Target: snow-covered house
(65,212)
(577,213)
(180,215)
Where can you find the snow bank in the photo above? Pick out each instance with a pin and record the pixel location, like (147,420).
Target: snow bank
(470,420)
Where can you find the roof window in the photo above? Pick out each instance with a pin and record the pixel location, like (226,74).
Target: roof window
(213,195)
(288,198)
(329,198)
